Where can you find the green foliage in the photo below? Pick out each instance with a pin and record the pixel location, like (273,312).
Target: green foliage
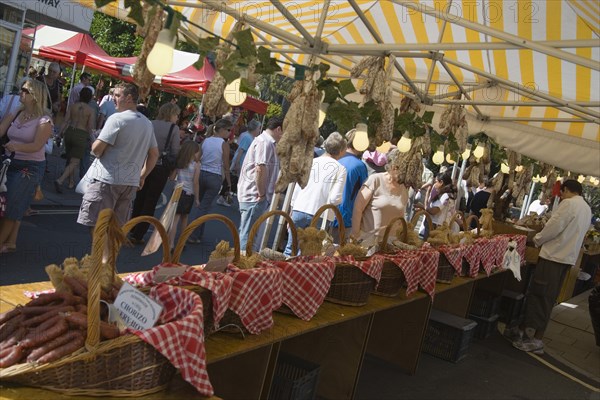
(266,64)
(116,37)
(273,110)
(274,88)
(592,196)
(247,88)
(136,12)
(344,115)
(412,123)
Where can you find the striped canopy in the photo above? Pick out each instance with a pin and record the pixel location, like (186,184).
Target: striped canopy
(528,71)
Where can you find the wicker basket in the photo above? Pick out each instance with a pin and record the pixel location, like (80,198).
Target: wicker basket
(205,294)
(445,272)
(338,216)
(254,230)
(392,278)
(256,226)
(350,286)
(122,367)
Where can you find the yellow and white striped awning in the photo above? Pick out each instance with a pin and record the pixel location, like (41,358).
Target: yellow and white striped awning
(530,67)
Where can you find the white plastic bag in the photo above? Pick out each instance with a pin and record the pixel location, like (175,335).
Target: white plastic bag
(512,260)
(83,184)
(49,146)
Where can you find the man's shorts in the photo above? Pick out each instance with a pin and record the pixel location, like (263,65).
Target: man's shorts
(100,195)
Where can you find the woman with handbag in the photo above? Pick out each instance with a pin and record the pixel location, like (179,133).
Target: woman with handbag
(28,131)
(167,138)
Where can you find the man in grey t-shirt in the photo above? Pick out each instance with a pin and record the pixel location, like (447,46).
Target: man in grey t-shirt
(126,151)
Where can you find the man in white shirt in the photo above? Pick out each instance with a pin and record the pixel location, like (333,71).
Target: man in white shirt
(325,185)
(561,240)
(257,179)
(539,206)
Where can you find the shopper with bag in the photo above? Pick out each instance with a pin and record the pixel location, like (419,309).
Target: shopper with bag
(27,131)
(166,133)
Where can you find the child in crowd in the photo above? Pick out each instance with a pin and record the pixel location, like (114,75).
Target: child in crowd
(188,174)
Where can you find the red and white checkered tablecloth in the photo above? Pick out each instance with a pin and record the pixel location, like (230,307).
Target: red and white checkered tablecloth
(429,261)
(454,254)
(180,334)
(486,253)
(371,266)
(500,245)
(521,244)
(306,282)
(255,294)
(472,257)
(218,283)
(410,264)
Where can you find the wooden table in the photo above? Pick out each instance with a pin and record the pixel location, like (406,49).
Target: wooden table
(337,339)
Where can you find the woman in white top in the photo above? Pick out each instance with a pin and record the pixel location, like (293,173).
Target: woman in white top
(325,185)
(381,198)
(213,164)
(442,204)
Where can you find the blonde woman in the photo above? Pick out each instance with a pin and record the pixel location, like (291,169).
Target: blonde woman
(28,131)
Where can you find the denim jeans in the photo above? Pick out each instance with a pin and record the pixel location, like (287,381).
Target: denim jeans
(249,213)
(210,184)
(301,220)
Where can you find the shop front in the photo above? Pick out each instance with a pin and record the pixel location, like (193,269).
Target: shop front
(15,47)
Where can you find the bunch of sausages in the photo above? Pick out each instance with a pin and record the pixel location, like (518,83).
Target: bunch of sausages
(49,327)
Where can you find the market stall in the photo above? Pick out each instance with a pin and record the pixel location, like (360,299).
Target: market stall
(213,358)
(533,87)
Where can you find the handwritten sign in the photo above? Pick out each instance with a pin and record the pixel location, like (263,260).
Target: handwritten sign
(165,273)
(137,310)
(218,265)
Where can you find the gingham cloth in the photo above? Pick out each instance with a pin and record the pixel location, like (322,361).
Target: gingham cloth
(409,263)
(180,335)
(454,254)
(255,294)
(218,283)
(428,267)
(500,245)
(472,256)
(371,266)
(486,253)
(306,282)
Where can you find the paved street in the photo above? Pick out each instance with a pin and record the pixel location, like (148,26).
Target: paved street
(52,234)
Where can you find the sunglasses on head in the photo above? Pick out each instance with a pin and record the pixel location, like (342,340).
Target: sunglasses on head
(25,90)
